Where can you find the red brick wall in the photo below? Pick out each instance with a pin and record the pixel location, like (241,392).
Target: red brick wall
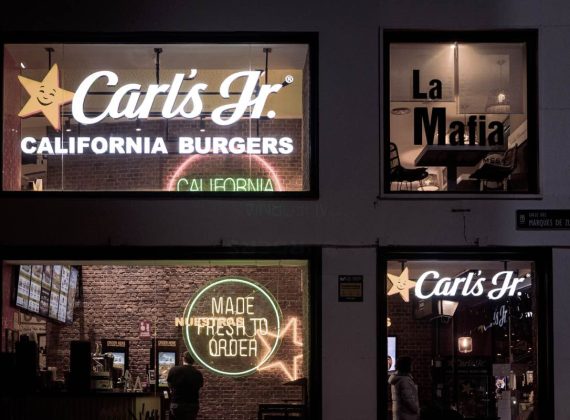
(116,298)
(152,172)
(11,122)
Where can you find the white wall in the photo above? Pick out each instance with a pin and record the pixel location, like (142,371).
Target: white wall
(349,141)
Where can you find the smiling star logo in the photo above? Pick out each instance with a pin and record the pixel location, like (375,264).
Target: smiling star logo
(401,284)
(45,97)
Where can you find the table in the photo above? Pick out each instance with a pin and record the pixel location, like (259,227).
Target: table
(453,156)
(294,411)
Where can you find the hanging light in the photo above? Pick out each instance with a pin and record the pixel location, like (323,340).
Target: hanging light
(202,124)
(138,125)
(499,101)
(465,344)
(67,125)
(446,308)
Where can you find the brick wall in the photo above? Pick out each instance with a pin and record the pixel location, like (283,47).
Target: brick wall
(116,298)
(152,172)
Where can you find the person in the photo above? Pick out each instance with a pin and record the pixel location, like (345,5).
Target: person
(405,404)
(390,363)
(184,383)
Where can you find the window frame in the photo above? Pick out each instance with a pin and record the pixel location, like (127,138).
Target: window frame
(311,39)
(541,256)
(312,254)
(527,36)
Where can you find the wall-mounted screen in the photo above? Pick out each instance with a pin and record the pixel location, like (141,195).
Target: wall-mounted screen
(47,290)
(391,353)
(118,360)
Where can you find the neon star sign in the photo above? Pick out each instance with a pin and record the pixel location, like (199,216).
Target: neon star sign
(232,326)
(289,369)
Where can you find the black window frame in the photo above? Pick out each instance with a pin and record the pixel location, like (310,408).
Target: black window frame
(541,256)
(527,36)
(309,38)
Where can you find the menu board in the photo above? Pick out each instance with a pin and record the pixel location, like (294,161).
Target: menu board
(35,288)
(55,288)
(23,293)
(62,309)
(48,290)
(73,277)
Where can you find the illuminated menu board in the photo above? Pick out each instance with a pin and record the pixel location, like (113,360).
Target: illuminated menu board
(48,290)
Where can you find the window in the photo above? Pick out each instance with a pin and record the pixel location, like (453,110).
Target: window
(247,322)
(460,113)
(470,324)
(198,118)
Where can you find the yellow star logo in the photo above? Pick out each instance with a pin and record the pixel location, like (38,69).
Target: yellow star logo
(292,368)
(46,97)
(401,284)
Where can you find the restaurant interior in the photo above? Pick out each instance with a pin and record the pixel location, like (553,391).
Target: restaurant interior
(482,82)
(472,356)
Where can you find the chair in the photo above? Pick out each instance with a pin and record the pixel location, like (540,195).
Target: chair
(400,174)
(497,170)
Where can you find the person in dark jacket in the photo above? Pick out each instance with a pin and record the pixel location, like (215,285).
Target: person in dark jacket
(405,402)
(185,383)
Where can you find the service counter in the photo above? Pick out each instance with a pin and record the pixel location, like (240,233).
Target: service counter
(91,406)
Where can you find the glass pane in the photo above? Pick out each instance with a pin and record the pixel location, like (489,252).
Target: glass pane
(168,117)
(245,322)
(470,329)
(458,118)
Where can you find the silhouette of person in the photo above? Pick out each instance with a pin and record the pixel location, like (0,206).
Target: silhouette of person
(405,402)
(185,383)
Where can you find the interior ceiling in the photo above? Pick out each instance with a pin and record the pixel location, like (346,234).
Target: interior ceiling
(176,56)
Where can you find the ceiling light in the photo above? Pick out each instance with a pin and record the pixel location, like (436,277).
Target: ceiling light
(138,125)
(498,101)
(68,125)
(202,124)
(22,65)
(465,344)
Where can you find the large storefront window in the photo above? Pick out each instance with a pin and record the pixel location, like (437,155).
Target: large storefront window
(247,324)
(470,327)
(190,118)
(460,113)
